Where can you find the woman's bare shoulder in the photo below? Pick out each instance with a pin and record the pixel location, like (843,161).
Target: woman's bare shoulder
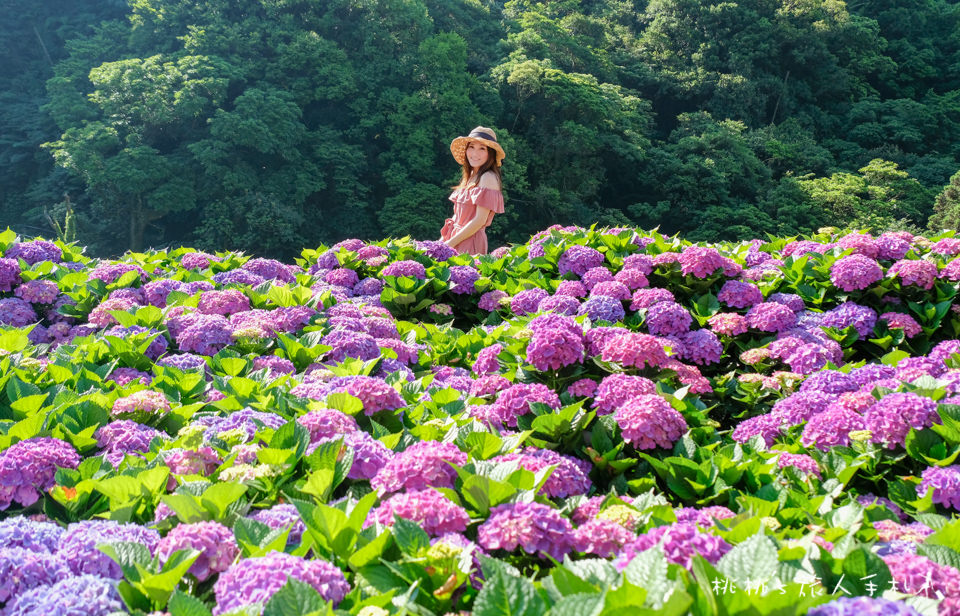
(489,180)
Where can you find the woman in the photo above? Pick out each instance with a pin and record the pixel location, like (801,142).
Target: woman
(477,197)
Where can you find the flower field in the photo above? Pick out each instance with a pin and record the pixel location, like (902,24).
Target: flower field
(600,421)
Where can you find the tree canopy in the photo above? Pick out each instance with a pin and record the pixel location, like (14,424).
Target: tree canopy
(268,125)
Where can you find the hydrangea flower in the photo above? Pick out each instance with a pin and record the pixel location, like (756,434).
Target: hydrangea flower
(490,301)
(205,334)
(282,515)
(611,288)
(515,400)
(369,454)
(560,304)
(647,421)
(327,423)
(918,575)
(16,312)
(863,606)
(533,527)
(21,532)
(198,260)
(771,317)
(202,461)
(680,543)
(488,385)
(765,426)
(224,302)
(405,268)
(78,545)
(862,318)
(634,349)
(944,482)
(183,361)
(526,301)
(463,279)
(739,294)
(86,595)
(891,418)
(728,323)
(633,279)
(602,537)
(701,262)
(615,389)
(346,343)
(582,388)
(270,269)
(438,251)
(570,477)
(213,540)
(700,346)
(432,511)
(594,276)
(571,288)
(799,461)
(644,298)
(38,291)
(557,341)
(915,272)
(253,581)
(890,247)
(602,308)
(790,300)
(342,276)
(640,262)
(27,468)
(158,346)
(238,277)
(855,272)
(124,376)
(900,320)
(118,438)
(9,274)
(424,464)
(668,318)
(141,404)
(375,394)
(22,569)
(486,362)
(578,259)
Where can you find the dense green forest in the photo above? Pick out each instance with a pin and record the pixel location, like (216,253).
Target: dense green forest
(268,125)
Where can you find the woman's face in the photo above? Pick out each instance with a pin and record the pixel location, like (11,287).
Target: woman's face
(477,154)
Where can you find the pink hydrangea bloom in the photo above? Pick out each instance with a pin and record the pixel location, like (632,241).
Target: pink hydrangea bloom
(855,273)
(213,540)
(635,349)
(739,294)
(533,527)
(616,389)
(424,464)
(915,272)
(648,421)
(602,537)
(431,510)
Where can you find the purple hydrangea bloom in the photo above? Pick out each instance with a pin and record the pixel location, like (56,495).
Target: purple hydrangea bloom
(16,312)
(633,279)
(369,454)
(560,304)
(534,527)
(118,438)
(831,382)
(463,279)
(891,418)
(680,543)
(790,300)
(27,468)
(205,335)
(602,537)
(915,272)
(282,515)
(38,291)
(124,376)
(582,388)
(557,341)
(644,298)
(515,400)
(701,346)
(872,372)
(197,260)
(342,276)
(183,361)
(944,481)
(635,349)
(486,362)
(432,511)
(20,532)
(615,389)
(111,272)
(700,261)
(800,406)
(799,461)
(270,269)
(225,302)
(375,394)
(490,301)
(86,595)
(368,286)
(611,288)
(253,581)
(855,272)
(571,288)
(847,314)
(602,308)
(863,606)
(424,464)
(647,421)
(578,259)
(246,420)
(739,294)
(238,277)
(890,247)
(22,569)
(640,262)
(34,252)
(918,575)
(9,274)
(438,251)
(771,317)
(348,343)
(213,540)
(526,301)
(766,426)
(327,423)
(668,318)
(78,545)
(274,365)
(405,268)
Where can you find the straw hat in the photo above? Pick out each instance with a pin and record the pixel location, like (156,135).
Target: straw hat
(481,134)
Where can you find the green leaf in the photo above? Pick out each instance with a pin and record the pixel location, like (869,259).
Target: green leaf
(182,604)
(754,561)
(579,604)
(128,555)
(296,598)
(410,538)
(940,554)
(508,596)
(648,570)
(14,340)
(345,403)
(217,498)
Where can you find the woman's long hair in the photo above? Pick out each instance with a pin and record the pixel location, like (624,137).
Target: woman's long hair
(490,165)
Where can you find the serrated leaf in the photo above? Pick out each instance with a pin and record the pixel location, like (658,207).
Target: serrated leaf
(295,598)
(579,604)
(753,561)
(648,570)
(182,604)
(508,596)
(410,538)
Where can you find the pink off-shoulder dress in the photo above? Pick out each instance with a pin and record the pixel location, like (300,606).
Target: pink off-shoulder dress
(465,203)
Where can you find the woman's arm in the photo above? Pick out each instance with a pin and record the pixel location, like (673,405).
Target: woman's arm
(476,223)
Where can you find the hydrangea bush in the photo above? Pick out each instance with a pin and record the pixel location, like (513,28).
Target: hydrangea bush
(596,421)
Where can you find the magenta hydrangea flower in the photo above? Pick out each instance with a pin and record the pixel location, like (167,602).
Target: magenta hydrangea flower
(739,294)
(527,301)
(571,476)
(490,301)
(213,540)
(183,361)
(202,461)
(900,320)
(891,418)
(118,438)
(765,426)
(488,385)
(205,334)
(680,543)
(706,517)
(644,298)
(560,304)
(918,575)
(633,279)
(634,349)
(197,260)
(915,272)
(799,461)
(9,274)
(891,247)
(944,481)
(951,271)
(224,302)
(241,277)
(855,272)
(375,394)
(578,259)
(830,382)
(78,545)
(594,276)
(534,527)
(141,405)
(602,537)
(701,346)
(274,365)
(369,454)
(948,246)
(27,468)
(862,318)
(515,400)
(640,262)
(859,243)
(602,308)
(438,251)
(327,423)
(111,272)
(557,341)
(700,261)
(252,581)
(486,362)
(790,300)
(342,276)
(16,312)
(432,511)
(728,324)
(771,317)
(571,288)
(270,269)
(617,388)
(647,421)
(463,279)
(611,288)
(668,318)
(405,268)
(582,388)
(422,465)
